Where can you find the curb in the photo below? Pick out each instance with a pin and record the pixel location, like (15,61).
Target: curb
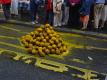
(67,30)
(85,33)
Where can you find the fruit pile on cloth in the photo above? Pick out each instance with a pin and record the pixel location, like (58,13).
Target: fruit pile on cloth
(43,41)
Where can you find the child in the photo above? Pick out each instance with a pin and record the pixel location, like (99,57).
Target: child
(6,8)
(84,12)
(57,10)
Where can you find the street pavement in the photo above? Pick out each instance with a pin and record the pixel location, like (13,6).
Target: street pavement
(86,59)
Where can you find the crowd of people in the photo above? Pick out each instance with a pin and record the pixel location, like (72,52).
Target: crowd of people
(62,12)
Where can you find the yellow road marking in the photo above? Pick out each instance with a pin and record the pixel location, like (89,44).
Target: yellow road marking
(97,39)
(8,28)
(12,45)
(78,60)
(8,37)
(98,48)
(82,36)
(70,34)
(66,34)
(42,63)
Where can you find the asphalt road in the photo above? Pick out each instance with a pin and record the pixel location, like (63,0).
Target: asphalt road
(87,58)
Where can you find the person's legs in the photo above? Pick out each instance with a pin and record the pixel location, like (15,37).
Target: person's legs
(36,16)
(50,20)
(84,20)
(97,14)
(63,16)
(55,20)
(92,13)
(76,15)
(85,23)
(6,9)
(47,17)
(66,15)
(60,19)
(33,11)
(104,16)
(70,15)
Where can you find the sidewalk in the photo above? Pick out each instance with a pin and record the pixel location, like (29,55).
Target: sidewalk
(61,29)
(68,29)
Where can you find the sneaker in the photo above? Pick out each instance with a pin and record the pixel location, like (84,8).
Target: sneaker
(33,22)
(59,25)
(36,22)
(55,25)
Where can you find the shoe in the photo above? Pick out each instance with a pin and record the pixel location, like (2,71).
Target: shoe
(36,22)
(59,25)
(33,22)
(83,28)
(55,26)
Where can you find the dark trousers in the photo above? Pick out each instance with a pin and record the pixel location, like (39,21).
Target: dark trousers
(6,10)
(74,16)
(49,17)
(33,10)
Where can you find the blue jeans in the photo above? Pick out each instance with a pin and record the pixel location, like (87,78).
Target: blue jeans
(33,10)
(49,17)
(6,10)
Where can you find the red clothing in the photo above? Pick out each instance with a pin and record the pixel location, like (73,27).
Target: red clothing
(5,1)
(49,5)
(75,1)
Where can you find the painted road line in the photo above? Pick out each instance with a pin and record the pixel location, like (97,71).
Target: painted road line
(68,34)
(12,45)
(1,36)
(12,29)
(73,60)
(95,48)
(71,46)
(56,66)
(97,39)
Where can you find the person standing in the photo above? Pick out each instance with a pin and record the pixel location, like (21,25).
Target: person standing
(49,11)
(104,15)
(6,8)
(34,4)
(74,17)
(85,12)
(57,10)
(65,12)
(98,7)
(14,7)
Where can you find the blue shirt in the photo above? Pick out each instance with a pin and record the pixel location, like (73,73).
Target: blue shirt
(100,1)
